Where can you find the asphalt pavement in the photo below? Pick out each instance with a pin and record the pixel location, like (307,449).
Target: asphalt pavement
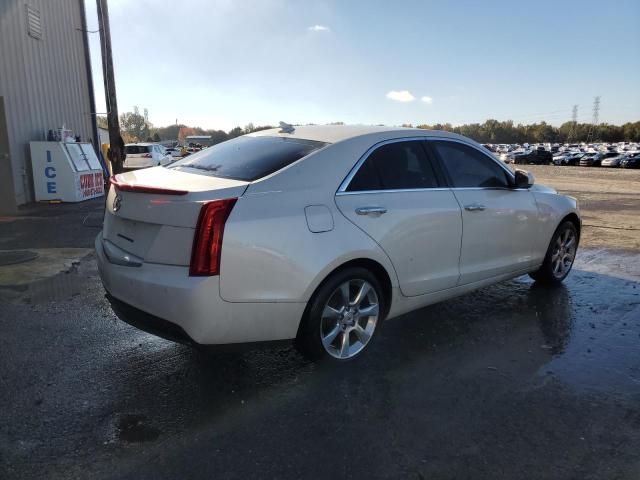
(512,381)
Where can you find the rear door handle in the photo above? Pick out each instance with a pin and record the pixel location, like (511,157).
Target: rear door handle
(475,207)
(374,211)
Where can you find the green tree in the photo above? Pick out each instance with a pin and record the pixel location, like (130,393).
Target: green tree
(631,132)
(134,124)
(217,136)
(235,132)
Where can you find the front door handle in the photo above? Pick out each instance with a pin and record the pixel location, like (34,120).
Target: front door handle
(373,211)
(475,207)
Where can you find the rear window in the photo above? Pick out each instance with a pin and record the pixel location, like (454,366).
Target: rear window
(137,149)
(248,158)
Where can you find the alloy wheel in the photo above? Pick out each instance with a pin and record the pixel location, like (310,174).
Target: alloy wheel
(564,252)
(349,319)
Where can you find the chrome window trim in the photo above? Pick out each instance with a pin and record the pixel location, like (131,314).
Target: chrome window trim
(342,189)
(394,190)
(435,189)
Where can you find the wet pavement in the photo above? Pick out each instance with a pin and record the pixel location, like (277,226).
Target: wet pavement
(512,381)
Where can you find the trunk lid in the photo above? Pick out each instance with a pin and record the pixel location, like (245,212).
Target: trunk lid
(152,213)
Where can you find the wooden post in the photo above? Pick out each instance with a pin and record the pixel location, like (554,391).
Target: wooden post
(116,145)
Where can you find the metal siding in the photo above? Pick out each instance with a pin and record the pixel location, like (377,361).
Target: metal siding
(44,82)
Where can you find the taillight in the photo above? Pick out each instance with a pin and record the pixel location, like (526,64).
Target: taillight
(207,240)
(146,155)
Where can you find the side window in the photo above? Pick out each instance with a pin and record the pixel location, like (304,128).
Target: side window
(467,167)
(395,166)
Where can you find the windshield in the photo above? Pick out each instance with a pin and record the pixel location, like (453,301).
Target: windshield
(248,158)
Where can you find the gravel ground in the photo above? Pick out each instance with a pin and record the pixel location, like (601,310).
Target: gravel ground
(609,199)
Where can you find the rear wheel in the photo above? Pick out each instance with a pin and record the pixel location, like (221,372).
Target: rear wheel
(560,255)
(342,317)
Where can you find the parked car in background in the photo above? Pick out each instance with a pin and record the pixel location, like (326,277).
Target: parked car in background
(631,161)
(612,160)
(489,147)
(174,152)
(319,233)
(144,155)
(591,159)
(506,157)
(568,158)
(538,156)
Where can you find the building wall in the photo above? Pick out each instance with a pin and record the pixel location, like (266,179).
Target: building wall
(44,82)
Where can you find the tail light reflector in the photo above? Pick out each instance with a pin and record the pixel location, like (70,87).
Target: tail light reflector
(207,239)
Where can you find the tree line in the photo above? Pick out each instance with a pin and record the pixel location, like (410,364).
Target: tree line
(135,127)
(494,131)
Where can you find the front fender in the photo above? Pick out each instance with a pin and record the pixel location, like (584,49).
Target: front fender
(552,209)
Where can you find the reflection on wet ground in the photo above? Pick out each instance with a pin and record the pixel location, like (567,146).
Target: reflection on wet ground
(512,380)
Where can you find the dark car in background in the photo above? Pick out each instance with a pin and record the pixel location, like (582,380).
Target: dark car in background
(567,158)
(631,161)
(539,156)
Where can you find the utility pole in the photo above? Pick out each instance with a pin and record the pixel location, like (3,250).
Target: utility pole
(594,120)
(115,140)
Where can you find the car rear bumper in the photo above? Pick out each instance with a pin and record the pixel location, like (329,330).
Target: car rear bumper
(190,309)
(149,323)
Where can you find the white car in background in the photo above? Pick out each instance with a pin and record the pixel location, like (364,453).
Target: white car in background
(144,155)
(175,152)
(317,234)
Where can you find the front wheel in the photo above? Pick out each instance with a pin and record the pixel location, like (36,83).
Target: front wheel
(342,316)
(560,255)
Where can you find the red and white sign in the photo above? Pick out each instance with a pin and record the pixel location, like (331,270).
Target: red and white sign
(91,184)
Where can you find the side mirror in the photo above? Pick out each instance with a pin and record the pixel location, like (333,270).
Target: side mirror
(523,179)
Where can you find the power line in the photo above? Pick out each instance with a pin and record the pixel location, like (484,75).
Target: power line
(594,120)
(574,124)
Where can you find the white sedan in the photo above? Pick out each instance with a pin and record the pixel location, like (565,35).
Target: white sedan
(318,234)
(144,155)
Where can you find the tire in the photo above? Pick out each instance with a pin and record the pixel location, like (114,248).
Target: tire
(328,321)
(560,255)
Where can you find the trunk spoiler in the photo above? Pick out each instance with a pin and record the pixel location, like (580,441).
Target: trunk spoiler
(137,188)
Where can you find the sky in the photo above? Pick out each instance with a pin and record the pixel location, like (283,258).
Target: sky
(225,63)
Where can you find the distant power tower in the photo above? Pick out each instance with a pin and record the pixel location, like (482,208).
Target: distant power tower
(594,120)
(573,133)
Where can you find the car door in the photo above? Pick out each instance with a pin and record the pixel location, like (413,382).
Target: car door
(498,220)
(396,197)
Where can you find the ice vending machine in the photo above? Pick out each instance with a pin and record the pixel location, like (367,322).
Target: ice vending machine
(66,171)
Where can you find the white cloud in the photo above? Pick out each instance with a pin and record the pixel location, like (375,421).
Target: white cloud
(427,100)
(400,96)
(319,28)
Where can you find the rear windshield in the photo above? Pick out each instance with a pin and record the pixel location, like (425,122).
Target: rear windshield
(137,149)
(248,158)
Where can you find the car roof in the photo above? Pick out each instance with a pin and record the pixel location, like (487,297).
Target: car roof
(337,133)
